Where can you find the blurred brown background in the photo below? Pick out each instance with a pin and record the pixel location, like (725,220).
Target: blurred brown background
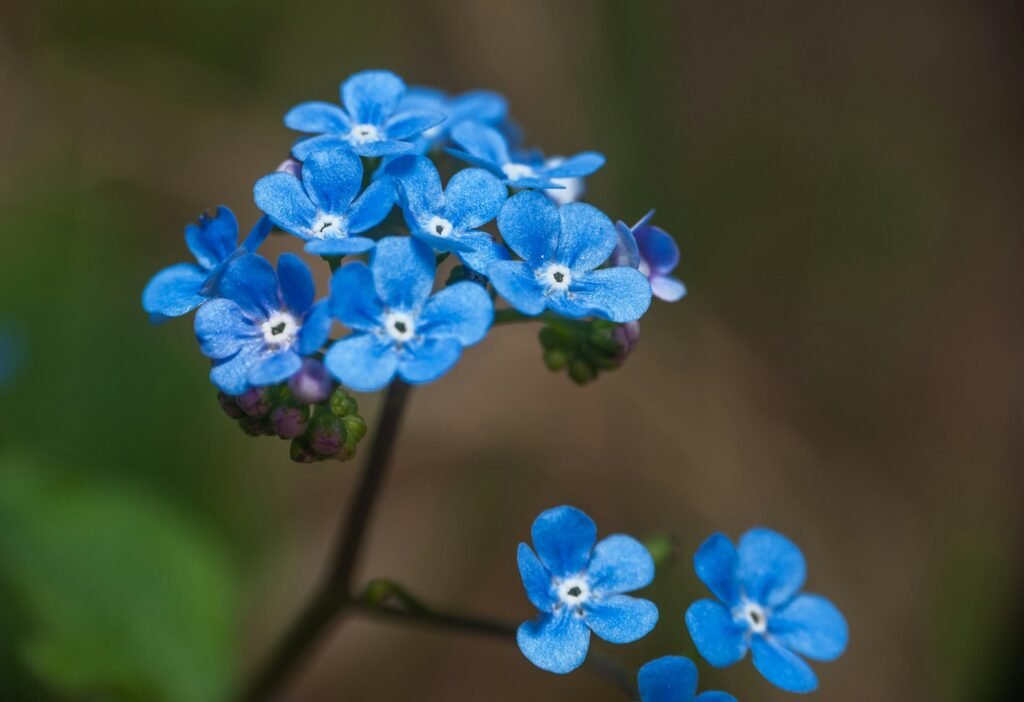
(844,182)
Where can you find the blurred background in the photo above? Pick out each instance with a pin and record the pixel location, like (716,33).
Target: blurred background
(844,183)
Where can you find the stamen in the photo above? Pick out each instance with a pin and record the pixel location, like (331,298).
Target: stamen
(555,278)
(400,326)
(280,329)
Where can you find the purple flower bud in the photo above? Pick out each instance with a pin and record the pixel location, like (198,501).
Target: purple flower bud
(311,385)
(327,435)
(256,402)
(230,407)
(628,336)
(291,167)
(289,422)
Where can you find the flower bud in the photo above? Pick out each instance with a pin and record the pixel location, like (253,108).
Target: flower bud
(256,426)
(230,407)
(289,421)
(627,336)
(301,452)
(256,402)
(343,404)
(311,385)
(326,434)
(292,167)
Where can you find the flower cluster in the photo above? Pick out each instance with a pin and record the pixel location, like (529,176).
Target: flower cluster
(579,585)
(508,226)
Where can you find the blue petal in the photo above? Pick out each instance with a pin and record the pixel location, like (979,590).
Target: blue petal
(772,568)
(782,668)
(420,186)
(483,253)
(410,123)
(284,200)
(420,97)
(530,225)
(384,147)
(297,289)
(812,626)
(174,291)
(717,563)
(621,619)
(332,177)
(362,362)
(516,282)
(481,142)
(463,312)
(714,696)
(627,252)
(588,236)
(616,294)
(718,638)
(582,164)
(476,161)
(250,281)
(212,239)
(317,118)
(258,234)
(479,105)
(658,248)
(372,206)
(231,376)
(371,96)
(620,564)
(275,368)
(534,182)
(354,298)
(425,360)
(316,329)
(667,288)
(556,642)
(473,198)
(536,580)
(304,147)
(403,272)
(339,246)
(223,329)
(563,538)
(668,679)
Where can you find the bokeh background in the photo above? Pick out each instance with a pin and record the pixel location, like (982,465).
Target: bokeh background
(844,181)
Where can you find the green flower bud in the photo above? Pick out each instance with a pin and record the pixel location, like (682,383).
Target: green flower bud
(342,404)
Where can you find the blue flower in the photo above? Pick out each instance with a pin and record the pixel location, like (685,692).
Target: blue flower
(579,588)
(263,323)
(569,190)
(654,253)
(449,220)
(322,208)
(481,106)
(399,327)
(761,608)
(373,122)
(485,147)
(562,247)
(674,679)
(181,288)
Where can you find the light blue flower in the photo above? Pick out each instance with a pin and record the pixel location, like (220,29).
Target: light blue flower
(674,679)
(181,288)
(561,248)
(761,608)
(481,106)
(263,323)
(372,123)
(579,588)
(485,147)
(449,220)
(654,253)
(322,207)
(399,327)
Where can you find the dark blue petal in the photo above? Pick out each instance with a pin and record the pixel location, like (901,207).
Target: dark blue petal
(231,376)
(212,239)
(667,679)
(772,568)
(782,668)
(530,225)
(354,298)
(556,642)
(284,200)
(258,234)
(621,619)
(719,639)
(620,564)
(339,246)
(223,329)
(667,288)
(473,198)
(403,272)
(362,362)
(372,206)
(714,696)
(371,96)
(582,164)
(515,281)
(481,142)
(463,312)
(717,566)
(483,252)
(616,294)
(658,248)
(587,239)
(812,626)
(425,360)
(563,538)
(250,281)
(297,289)
(316,329)
(410,123)
(419,184)
(627,252)
(275,368)
(536,580)
(317,118)
(174,291)
(332,177)
(304,147)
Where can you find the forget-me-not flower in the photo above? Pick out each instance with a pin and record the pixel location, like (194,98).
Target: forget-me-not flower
(449,220)
(654,253)
(372,123)
(761,608)
(399,327)
(322,207)
(561,248)
(674,679)
(481,106)
(570,190)
(263,323)
(485,147)
(579,588)
(181,288)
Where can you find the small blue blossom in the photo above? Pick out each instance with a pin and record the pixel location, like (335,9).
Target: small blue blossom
(569,190)
(263,323)
(562,247)
(372,123)
(654,253)
(761,608)
(181,288)
(449,220)
(674,679)
(485,147)
(481,106)
(322,207)
(399,327)
(579,588)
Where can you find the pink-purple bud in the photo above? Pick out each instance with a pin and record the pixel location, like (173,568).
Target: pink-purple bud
(256,402)
(628,336)
(230,407)
(291,167)
(289,422)
(311,385)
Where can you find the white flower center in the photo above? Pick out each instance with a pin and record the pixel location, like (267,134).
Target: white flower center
(515,171)
(329,226)
(556,278)
(754,616)
(400,326)
(363,133)
(574,591)
(280,329)
(438,226)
